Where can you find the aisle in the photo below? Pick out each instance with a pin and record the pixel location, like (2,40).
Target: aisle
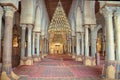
(58,67)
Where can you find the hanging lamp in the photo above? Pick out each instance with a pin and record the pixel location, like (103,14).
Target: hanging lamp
(59,23)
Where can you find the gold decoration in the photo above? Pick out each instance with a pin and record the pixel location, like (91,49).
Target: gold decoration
(111,72)
(87,62)
(4,76)
(14,76)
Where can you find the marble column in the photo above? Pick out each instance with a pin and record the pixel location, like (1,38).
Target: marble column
(73,47)
(46,47)
(37,58)
(29,60)
(87,60)
(77,44)
(110,66)
(7,46)
(93,44)
(117,38)
(86,41)
(70,46)
(33,43)
(1,14)
(78,49)
(23,44)
(108,14)
(43,45)
(117,33)
(82,44)
(38,43)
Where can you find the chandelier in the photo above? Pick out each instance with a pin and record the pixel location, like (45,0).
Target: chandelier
(59,23)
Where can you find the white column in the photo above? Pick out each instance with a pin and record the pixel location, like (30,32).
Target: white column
(77,44)
(45,41)
(29,41)
(86,41)
(43,45)
(108,14)
(33,43)
(73,45)
(117,32)
(23,41)
(70,45)
(93,41)
(38,43)
(82,44)
(1,14)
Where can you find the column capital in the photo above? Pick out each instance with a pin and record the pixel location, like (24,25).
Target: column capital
(9,11)
(1,11)
(29,26)
(86,26)
(117,12)
(23,26)
(107,11)
(82,33)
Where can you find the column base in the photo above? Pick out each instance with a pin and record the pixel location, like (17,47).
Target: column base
(36,58)
(73,56)
(12,76)
(87,61)
(93,61)
(69,54)
(29,61)
(110,70)
(79,58)
(22,61)
(45,55)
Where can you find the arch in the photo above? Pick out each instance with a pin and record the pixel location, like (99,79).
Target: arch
(78,20)
(38,18)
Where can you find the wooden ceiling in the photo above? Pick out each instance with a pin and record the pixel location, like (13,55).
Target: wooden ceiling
(52,4)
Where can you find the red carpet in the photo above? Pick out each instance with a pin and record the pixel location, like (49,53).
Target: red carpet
(58,66)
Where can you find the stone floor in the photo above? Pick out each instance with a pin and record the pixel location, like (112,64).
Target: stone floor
(58,67)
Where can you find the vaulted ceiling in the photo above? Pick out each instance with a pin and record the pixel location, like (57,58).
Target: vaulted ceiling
(52,4)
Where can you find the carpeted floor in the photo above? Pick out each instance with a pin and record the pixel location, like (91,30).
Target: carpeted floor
(58,67)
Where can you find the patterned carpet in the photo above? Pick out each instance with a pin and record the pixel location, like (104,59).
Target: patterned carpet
(58,67)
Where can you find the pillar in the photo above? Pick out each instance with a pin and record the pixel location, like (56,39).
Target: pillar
(1,14)
(110,61)
(33,44)
(70,45)
(7,48)
(117,33)
(37,47)
(93,44)
(117,39)
(73,47)
(43,45)
(29,60)
(78,47)
(82,44)
(23,45)
(87,60)
(46,46)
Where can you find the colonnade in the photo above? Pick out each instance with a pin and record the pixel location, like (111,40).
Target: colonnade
(112,21)
(37,46)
